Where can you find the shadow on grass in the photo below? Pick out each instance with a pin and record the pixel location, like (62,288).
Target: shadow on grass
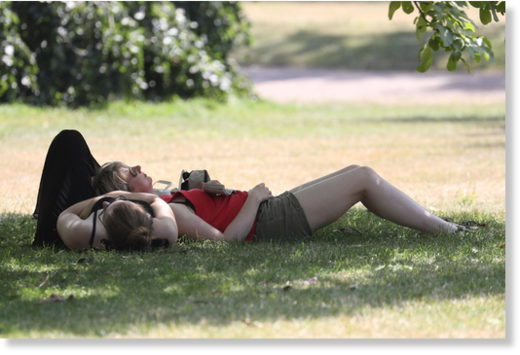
(395,51)
(440,119)
(339,51)
(336,273)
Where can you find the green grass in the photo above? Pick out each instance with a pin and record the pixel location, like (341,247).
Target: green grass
(236,290)
(386,281)
(355,35)
(205,118)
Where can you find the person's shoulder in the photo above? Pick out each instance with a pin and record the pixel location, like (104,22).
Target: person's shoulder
(74,231)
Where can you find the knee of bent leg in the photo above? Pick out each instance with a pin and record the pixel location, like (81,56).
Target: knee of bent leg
(368,175)
(68,135)
(352,167)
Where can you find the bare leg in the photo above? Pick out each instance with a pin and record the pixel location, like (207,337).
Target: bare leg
(326,199)
(323,178)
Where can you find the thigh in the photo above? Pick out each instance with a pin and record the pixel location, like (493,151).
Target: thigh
(326,199)
(326,177)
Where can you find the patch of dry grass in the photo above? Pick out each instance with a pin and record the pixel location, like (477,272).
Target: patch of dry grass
(445,165)
(413,320)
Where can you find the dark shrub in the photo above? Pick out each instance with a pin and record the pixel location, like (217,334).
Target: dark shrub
(80,53)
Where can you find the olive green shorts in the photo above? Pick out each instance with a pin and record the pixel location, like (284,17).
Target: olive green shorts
(281,218)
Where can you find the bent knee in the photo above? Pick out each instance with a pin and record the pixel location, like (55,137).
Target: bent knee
(368,174)
(72,133)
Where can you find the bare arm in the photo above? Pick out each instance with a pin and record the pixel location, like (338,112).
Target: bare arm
(238,229)
(213,187)
(83,208)
(164,223)
(75,227)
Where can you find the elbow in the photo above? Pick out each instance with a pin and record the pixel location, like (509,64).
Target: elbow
(232,237)
(167,231)
(174,237)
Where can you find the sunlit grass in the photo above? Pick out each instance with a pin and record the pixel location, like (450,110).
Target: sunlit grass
(436,153)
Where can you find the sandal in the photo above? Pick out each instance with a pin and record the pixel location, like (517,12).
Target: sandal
(469,226)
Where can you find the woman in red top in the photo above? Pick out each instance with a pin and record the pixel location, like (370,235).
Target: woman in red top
(297,213)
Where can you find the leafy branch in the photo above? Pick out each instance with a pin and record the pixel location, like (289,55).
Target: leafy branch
(445,26)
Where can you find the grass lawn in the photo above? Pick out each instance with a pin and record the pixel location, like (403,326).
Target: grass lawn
(344,35)
(360,277)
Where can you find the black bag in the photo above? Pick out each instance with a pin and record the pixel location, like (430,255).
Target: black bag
(188,180)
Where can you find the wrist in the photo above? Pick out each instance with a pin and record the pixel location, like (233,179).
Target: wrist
(254,199)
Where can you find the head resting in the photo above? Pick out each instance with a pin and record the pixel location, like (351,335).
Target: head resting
(108,178)
(128,226)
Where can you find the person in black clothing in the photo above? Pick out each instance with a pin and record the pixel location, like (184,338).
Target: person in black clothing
(66,179)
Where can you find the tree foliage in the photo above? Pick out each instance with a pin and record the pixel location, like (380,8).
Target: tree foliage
(79,53)
(445,26)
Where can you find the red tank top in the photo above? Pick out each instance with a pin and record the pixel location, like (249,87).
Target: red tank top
(218,211)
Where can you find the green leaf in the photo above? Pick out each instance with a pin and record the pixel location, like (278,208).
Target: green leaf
(453,60)
(426,58)
(476,4)
(421,27)
(476,57)
(425,6)
(469,26)
(501,7)
(474,54)
(434,43)
(407,6)
(392,8)
(485,16)
(487,42)
(446,35)
(487,56)
(458,44)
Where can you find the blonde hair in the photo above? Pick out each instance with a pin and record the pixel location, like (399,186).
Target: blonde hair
(109,179)
(128,227)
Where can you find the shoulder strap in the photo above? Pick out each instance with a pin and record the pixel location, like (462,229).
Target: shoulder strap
(93,235)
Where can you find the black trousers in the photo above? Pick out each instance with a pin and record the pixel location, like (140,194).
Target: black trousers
(66,179)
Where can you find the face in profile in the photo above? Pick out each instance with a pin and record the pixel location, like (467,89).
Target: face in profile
(137,180)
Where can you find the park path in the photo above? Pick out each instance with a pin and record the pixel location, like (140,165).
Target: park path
(384,87)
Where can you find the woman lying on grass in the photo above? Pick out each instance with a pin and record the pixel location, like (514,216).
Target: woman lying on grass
(256,214)
(295,214)
(118,220)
